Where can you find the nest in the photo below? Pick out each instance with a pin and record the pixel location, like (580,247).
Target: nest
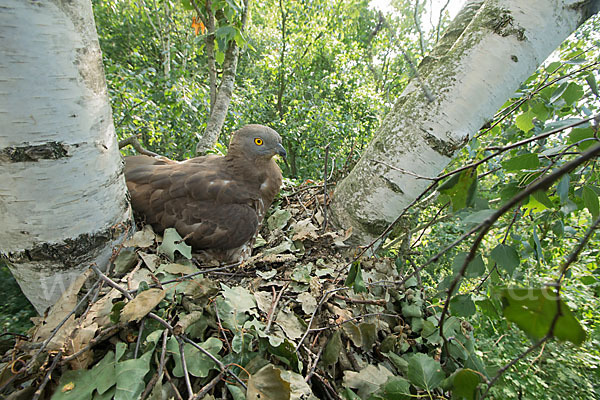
(286,324)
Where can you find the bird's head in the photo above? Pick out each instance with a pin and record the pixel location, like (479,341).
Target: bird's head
(256,142)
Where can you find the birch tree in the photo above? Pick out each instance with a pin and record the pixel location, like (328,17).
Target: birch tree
(223,47)
(489,49)
(63,202)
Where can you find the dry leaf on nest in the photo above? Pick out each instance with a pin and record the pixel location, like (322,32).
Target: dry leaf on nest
(142,304)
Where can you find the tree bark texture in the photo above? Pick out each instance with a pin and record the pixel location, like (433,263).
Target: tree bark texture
(63,202)
(489,49)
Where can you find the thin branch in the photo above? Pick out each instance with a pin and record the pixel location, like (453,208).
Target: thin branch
(430,97)
(418,26)
(404,171)
(312,317)
(221,366)
(186,374)
(311,370)
(139,338)
(274,307)
(40,389)
(103,335)
(204,391)
(134,142)
(56,329)
(487,224)
(437,34)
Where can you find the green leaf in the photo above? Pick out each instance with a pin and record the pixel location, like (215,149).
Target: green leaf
(533,310)
(553,66)
(355,279)
(580,135)
(462,305)
(526,161)
(573,93)
(540,110)
(171,243)
(465,384)
(506,257)
(75,385)
(226,31)
(562,188)
(104,373)
(267,384)
(198,364)
(425,372)
(590,201)
(130,376)
(125,261)
(524,121)
(348,394)
(411,310)
(279,219)
(400,363)
(236,392)
(220,57)
(558,92)
(460,188)
(591,80)
(332,349)
(397,388)
(543,198)
(367,380)
(475,269)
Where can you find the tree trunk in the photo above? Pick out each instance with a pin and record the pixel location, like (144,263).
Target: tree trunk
(218,111)
(62,193)
(490,48)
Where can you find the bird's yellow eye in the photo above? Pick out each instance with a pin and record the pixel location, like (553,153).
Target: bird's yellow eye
(258,141)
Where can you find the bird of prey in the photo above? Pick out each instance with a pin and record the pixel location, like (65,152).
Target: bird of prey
(216,202)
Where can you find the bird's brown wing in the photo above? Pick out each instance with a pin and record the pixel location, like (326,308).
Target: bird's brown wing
(199,198)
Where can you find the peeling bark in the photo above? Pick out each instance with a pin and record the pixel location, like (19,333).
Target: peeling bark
(490,48)
(62,193)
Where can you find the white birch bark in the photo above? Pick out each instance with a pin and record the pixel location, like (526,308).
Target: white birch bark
(491,47)
(62,193)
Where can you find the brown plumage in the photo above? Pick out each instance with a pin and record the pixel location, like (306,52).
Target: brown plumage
(218,202)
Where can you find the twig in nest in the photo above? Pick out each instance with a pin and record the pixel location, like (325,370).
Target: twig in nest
(208,386)
(179,397)
(314,365)
(56,329)
(133,141)
(381,302)
(220,326)
(40,389)
(139,338)
(105,334)
(274,306)
(312,317)
(186,374)
(161,365)
(331,392)
(221,366)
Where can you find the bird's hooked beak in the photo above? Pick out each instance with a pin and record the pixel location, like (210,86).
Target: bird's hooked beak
(279,150)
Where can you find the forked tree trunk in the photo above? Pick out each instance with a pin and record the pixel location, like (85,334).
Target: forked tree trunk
(490,48)
(63,198)
(220,99)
